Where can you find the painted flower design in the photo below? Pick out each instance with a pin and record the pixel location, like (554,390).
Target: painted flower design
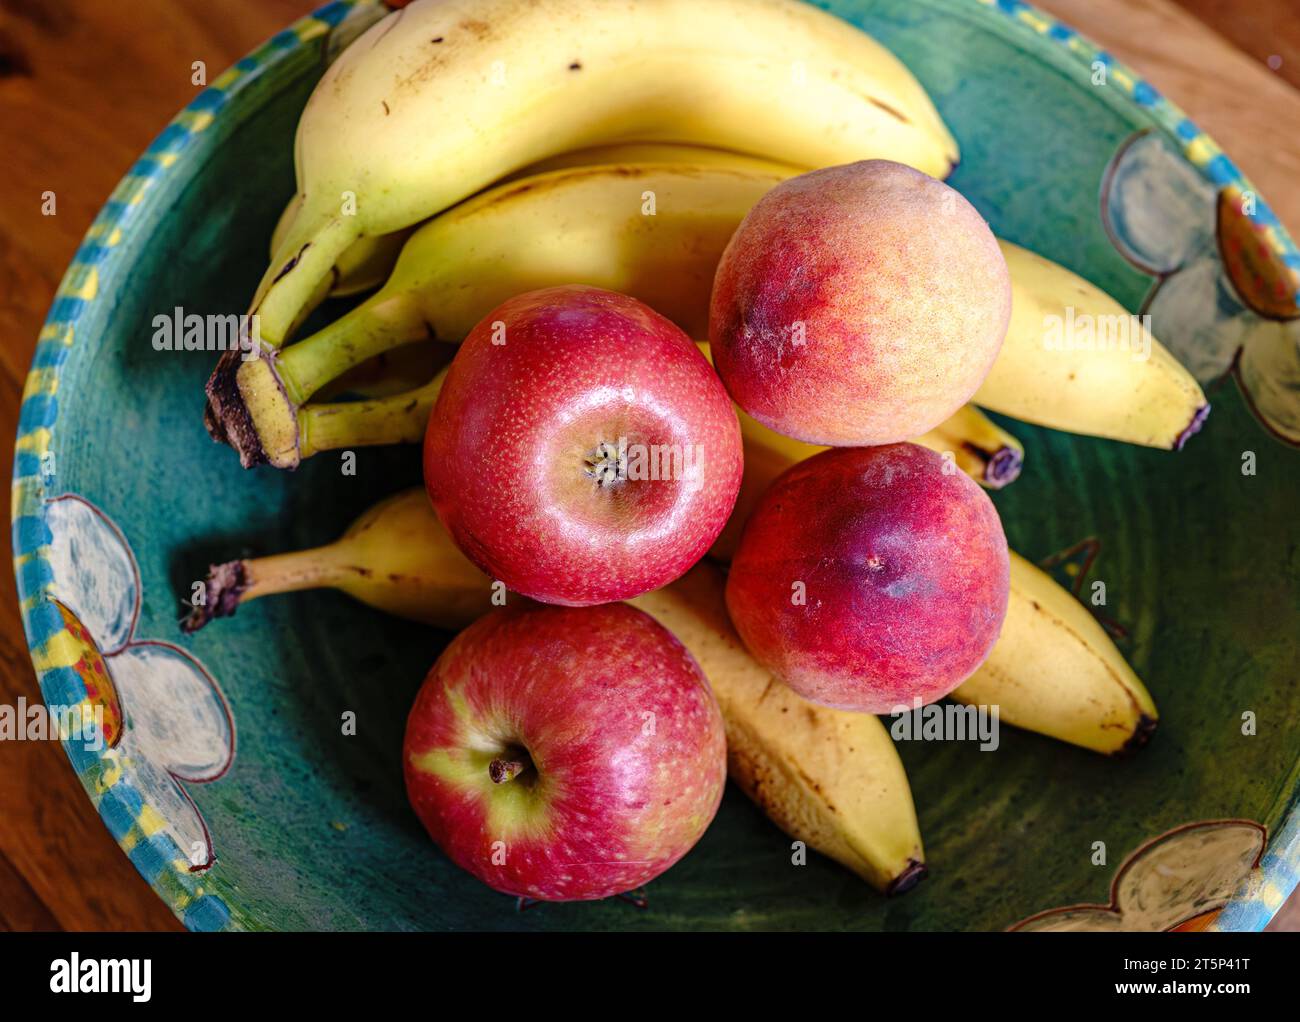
(1177,881)
(165,722)
(1223,299)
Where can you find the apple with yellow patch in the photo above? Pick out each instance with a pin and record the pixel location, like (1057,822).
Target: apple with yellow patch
(565,754)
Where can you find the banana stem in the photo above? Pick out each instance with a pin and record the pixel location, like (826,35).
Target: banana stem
(979,447)
(398,419)
(992,467)
(377,325)
(312,245)
(913,873)
(255,404)
(236,582)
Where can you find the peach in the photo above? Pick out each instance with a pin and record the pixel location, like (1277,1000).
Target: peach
(861,304)
(870,576)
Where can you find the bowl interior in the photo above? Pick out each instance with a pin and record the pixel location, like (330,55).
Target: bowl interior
(310,826)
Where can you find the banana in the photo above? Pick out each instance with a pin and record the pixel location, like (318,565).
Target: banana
(1053,669)
(587,224)
(395,557)
(362,266)
(407,367)
(1132,390)
(443,97)
(828,778)
(978,446)
(461,264)
(654,231)
(368,261)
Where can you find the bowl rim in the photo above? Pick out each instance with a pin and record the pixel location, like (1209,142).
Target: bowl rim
(98,257)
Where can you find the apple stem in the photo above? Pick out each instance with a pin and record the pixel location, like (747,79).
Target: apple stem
(503,770)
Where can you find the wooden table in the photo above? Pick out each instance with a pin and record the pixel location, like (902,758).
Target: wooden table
(86,84)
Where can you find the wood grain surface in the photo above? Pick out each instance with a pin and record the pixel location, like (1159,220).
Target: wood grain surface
(86,84)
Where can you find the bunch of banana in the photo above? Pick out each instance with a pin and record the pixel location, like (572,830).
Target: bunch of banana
(655,230)
(1053,670)
(444,97)
(368,261)
(583,222)
(829,778)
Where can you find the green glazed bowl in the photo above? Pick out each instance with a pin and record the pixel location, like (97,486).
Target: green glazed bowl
(225,774)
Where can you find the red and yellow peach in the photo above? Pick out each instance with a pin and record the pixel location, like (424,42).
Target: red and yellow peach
(861,304)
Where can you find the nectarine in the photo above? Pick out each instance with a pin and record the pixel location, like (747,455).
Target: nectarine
(861,304)
(868,576)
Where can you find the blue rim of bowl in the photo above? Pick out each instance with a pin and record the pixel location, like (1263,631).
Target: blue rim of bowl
(96,262)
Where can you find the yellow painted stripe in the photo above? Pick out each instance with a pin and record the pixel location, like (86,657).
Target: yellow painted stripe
(227,78)
(1035,21)
(56,331)
(195,121)
(82,282)
(1201,150)
(25,498)
(151,821)
(41,381)
(62,650)
(37,441)
(111,775)
(1271,895)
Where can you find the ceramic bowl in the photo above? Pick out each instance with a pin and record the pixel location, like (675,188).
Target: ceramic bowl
(225,775)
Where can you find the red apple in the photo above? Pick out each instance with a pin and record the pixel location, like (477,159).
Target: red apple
(563,753)
(582,450)
(861,304)
(869,576)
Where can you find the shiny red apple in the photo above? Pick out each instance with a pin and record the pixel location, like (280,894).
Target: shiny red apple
(565,753)
(582,450)
(871,576)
